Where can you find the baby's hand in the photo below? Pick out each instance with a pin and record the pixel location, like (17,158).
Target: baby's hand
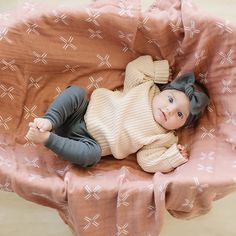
(182,150)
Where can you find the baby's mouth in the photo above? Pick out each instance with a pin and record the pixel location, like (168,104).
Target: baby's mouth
(164,115)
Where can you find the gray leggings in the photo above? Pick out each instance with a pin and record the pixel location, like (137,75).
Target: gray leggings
(71,140)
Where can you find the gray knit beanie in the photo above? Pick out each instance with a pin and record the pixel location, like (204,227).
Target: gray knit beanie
(198,98)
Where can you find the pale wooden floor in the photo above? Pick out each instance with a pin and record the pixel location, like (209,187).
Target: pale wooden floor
(22,218)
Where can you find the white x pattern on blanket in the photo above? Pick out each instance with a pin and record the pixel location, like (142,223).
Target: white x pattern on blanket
(125,9)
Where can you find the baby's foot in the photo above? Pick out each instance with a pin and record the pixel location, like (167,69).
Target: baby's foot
(37,136)
(42,124)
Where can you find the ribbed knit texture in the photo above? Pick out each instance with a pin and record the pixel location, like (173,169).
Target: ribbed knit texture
(122,122)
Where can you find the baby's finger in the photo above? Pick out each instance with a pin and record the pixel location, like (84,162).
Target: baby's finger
(186,153)
(180,147)
(31,124)
(33,128)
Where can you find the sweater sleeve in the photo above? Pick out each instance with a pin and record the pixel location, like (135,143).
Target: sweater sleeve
(144,69)
(153,158)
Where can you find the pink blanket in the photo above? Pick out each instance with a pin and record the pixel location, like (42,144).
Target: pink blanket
(50,48)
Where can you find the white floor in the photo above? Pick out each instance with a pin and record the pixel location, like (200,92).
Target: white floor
(22,218)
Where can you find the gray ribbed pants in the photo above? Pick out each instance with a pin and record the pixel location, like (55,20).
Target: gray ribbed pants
(71,140)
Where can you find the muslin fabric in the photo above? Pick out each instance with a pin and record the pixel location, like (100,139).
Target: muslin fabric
(46,49)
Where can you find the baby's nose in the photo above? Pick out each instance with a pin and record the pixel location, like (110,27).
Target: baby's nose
(170,110)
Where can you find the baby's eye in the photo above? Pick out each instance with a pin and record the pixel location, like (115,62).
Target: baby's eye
(170,99)
(180,114)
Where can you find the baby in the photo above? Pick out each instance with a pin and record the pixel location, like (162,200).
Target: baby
(140,119)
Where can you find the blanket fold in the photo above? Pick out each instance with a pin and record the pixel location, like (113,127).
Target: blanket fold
(44,51)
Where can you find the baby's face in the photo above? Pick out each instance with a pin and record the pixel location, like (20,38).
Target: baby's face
(171,109)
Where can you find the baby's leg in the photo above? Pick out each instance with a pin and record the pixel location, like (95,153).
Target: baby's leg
(82,151)
(37,136)
(66,104)
(64,111)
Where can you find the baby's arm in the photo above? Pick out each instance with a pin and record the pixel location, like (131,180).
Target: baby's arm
(153,158)
(143,69)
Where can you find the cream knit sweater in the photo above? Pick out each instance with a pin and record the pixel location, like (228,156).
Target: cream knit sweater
(122,122)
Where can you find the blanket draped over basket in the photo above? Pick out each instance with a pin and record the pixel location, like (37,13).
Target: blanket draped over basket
(43,49)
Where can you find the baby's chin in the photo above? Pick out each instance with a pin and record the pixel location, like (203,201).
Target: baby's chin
(160,122)
(165,125)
